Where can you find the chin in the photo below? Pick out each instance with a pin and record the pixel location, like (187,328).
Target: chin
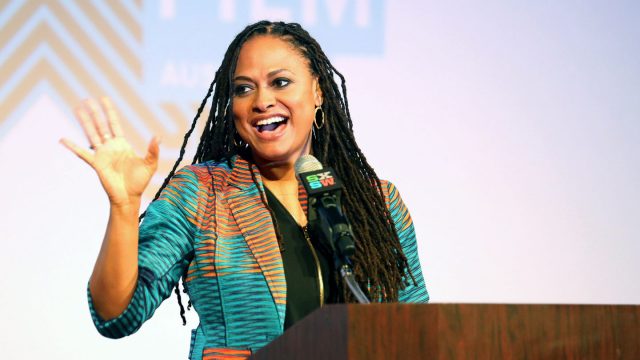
(281,156)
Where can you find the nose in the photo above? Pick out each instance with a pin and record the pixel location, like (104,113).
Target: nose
(264,99)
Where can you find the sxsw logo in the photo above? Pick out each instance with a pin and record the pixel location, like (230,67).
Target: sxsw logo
(185,40)
(319,180)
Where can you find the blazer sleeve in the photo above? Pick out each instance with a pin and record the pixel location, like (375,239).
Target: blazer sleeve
(413,292)
(165,249)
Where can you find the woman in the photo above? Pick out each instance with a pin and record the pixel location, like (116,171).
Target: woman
(233,225)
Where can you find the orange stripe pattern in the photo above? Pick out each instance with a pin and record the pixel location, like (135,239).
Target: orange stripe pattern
(211,225)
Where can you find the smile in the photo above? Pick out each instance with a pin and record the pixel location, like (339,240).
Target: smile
(270,124)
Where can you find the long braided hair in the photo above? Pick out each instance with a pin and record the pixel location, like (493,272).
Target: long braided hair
(379,264)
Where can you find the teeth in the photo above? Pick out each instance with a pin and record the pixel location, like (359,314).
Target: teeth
(271,120)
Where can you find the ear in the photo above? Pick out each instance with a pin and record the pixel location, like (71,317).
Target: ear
(317,92)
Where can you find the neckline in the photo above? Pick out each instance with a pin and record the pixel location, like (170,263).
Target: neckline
(282,208)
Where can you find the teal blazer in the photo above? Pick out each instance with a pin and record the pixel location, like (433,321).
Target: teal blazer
(211,224)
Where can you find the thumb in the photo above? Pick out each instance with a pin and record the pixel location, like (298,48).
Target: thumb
(153,152)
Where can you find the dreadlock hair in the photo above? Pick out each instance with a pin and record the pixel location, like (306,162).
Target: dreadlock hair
(379,264)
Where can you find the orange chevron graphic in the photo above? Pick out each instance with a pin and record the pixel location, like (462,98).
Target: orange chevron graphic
(30,7)
(44,70)
(182,122)
(112,37)
(43,34)
(127,19)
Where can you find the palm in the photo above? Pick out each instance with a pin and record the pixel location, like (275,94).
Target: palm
(123,174)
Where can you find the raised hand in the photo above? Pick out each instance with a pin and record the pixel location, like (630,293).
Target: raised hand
(123,174)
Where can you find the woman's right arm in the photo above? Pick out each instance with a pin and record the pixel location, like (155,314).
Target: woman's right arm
(124,177)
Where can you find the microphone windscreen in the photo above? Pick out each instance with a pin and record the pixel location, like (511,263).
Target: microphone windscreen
(306,163)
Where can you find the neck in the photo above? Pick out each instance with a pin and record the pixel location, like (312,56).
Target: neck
(281,171)
(280,178)
(277,172)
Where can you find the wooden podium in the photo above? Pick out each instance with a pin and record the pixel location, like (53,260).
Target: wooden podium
(462,331)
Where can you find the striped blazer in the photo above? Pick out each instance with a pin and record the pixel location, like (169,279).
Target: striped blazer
(211,224)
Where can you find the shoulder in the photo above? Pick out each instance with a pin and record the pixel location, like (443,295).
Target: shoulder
(195,180)
(209,168)
(390,192)
(397,208)
(208,172)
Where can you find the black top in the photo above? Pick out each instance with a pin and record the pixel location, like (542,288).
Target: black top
(300,265)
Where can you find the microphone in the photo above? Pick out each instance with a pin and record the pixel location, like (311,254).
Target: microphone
(326,218)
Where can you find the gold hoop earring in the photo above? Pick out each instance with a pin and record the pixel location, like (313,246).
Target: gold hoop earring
(315,118)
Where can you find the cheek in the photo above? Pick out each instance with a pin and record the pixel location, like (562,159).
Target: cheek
(240,124)
(241,128)
(302,105)
(239,114)
(237,109)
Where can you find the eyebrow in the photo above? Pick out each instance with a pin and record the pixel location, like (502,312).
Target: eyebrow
(270,74)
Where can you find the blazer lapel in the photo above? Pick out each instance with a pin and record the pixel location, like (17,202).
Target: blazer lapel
(255,224)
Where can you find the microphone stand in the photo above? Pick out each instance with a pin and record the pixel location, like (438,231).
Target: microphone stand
(327,220)
(350,280)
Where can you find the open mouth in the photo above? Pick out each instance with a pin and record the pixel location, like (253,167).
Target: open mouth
(270,124)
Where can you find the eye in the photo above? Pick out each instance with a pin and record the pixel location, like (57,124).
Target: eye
(241,89)
(281,82)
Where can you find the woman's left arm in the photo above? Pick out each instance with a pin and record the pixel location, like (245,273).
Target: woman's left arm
(414,292)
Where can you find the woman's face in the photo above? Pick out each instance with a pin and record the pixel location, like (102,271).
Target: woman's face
(274,101)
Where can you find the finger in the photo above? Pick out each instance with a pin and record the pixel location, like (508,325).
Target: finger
(88,126)
(153,153)
(113,118)
(98,118)
(81,152)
